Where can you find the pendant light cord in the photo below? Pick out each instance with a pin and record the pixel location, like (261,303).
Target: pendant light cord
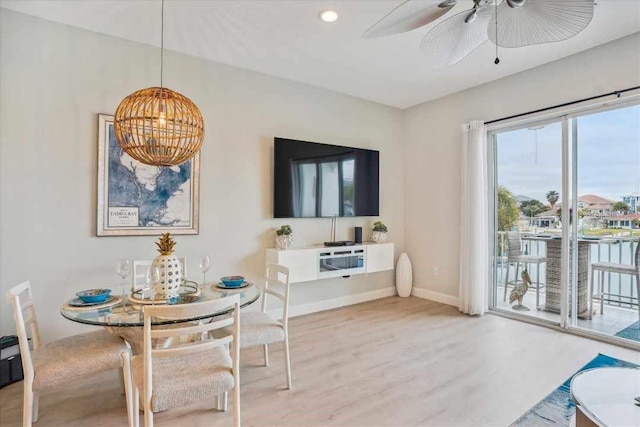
(497,61)
(161,42)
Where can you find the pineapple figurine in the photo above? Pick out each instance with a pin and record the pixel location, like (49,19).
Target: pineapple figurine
(170,267)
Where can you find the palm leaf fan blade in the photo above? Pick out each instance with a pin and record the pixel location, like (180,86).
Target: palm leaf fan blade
(453,39)
(408,16)
(539,21)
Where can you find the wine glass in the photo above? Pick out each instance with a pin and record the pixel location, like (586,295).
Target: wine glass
(205,264)
(124,269)
(152,278)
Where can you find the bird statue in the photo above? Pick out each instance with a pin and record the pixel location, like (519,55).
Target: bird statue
(519,291)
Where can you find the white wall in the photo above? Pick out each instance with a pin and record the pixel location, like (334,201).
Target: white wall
(432,146)
(56,79)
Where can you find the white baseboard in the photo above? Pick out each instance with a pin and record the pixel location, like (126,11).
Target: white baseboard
(435,296)
(314,307)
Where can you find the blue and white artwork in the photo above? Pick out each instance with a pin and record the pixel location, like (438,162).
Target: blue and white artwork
(135,198)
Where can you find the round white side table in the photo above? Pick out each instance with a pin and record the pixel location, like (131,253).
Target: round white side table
(606,396)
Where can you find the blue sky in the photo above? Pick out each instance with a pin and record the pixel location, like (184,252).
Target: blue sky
(530,160)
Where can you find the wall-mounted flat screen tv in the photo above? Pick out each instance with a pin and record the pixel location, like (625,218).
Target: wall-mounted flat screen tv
(318,180)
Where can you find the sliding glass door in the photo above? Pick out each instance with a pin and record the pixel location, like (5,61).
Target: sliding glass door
(566,220)
(528,179)
(607,184)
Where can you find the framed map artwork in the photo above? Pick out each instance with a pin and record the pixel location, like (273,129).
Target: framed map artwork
(137,199)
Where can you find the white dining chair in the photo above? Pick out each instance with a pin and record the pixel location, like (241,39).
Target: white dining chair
(139,272)
(193,370)
(53,364)
(601,268)
(259,328)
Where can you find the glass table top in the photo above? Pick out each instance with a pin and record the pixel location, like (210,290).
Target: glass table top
(130,314)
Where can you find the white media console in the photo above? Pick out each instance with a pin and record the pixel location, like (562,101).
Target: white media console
(320,262)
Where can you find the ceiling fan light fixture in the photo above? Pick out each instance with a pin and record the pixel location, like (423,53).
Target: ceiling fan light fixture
(507,23)
(515,3)
(328,16)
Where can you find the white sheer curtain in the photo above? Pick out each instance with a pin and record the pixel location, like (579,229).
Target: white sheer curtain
(474,224)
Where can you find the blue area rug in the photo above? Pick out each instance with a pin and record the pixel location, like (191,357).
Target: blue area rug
(557,408)
(631,332)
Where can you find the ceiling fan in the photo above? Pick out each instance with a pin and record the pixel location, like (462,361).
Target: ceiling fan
(507,23)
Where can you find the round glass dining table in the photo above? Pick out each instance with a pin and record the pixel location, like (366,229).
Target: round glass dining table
(126,318)
(129,314)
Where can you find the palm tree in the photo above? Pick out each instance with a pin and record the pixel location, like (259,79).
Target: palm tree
(507,209)
(621,207)
(552,198)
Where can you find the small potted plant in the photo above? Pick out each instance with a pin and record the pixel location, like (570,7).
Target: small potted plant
(284,237)
(379,234)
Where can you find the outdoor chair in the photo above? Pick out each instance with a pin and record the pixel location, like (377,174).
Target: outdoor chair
(610,267)
(515,254)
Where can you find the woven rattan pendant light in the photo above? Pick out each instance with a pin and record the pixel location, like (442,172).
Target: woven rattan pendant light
(158,126)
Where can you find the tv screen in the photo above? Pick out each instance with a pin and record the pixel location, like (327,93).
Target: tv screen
(319,180)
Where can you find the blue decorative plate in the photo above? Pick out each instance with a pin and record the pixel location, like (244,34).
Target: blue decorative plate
(94,295)
(240,286)
(77,302)
(232,281)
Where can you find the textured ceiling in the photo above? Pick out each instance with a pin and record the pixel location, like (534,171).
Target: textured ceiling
(286,39)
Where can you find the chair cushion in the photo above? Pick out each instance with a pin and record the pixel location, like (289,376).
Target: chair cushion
(614,267)
(257,328)
(134,336)
(181,380)
(76,357)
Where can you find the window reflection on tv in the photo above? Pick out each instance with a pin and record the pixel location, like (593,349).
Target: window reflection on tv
(319,180)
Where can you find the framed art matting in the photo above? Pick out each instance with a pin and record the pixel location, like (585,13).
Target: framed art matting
(137,199)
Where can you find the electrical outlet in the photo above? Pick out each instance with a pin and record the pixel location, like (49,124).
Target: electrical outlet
(435,271)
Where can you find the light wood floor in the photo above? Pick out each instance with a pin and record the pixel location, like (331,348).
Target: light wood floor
(390,362)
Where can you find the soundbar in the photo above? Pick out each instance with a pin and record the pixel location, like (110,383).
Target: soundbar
(339,243)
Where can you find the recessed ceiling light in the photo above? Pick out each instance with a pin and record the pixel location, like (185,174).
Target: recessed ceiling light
(328,15)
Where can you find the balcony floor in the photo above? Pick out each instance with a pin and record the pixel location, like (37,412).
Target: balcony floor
(613,321)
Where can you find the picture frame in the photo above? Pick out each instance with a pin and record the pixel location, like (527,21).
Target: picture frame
(135,199)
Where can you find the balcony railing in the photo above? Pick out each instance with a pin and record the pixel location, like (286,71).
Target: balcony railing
(621,288)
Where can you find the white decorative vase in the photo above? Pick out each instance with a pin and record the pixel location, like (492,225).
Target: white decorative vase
(170,275)
(404,276)
(284,241)
(379,236)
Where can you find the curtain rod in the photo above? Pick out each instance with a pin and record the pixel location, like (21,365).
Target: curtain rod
(566,104)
